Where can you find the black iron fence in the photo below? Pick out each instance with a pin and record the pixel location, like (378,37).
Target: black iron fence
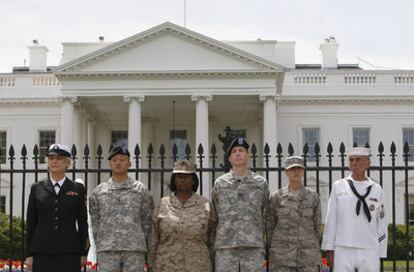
(390,169)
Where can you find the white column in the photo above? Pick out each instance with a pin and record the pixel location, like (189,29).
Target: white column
(270,133)
(202,136)
(134,121)
(77,125)
(92,148)
(66,127)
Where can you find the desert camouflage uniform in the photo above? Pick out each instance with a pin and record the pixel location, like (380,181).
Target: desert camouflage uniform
(293,230)
(120,217)
(240,204)
(179,236)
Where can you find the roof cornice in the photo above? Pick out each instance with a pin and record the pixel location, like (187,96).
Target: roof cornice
(371,100)
(151,33)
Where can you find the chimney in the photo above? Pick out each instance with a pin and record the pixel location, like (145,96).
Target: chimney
(37,57)
(329,50)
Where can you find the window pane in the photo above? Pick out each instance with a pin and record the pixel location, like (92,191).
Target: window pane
(408,137)
(3,147)
(119,137)
(46,138)
(360,136)
(411,208)
(3,204)
(311,137)
(179,138)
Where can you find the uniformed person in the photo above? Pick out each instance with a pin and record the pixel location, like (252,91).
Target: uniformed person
(120,210)
(57,227)
(355,236)
(180,236)
(293,225)
(240,199)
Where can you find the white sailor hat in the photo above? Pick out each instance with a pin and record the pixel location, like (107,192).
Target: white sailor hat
(184,167)
(358,151)
(294,161)
(58,150)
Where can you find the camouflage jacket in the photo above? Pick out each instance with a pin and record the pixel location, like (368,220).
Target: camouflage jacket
(179,236)
(120,215)
(293,228)
(240,206)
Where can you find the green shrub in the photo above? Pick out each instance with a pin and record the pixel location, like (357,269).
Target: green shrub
(401,252)
(16,250)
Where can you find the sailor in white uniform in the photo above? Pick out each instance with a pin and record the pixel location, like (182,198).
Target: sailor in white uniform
(355,235)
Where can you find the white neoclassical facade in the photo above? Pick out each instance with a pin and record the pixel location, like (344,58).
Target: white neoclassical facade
(169,85)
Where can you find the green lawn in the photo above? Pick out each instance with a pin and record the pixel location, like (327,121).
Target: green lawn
(400,264)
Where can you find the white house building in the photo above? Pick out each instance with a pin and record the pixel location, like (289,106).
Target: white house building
(169,85)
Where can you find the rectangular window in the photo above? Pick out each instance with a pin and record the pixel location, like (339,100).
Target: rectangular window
(120,137)
(238,133)
(3,147)
(360,136)
(46,138)
(3,204)
(179,138)
(408,137)
(411,209)
(310,137)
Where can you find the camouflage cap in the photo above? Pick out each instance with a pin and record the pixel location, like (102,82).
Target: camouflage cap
(294,161)
(184,167)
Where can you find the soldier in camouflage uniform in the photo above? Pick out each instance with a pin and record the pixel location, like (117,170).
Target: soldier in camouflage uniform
(240,199)
(293,224)
(181,226)
(120,212)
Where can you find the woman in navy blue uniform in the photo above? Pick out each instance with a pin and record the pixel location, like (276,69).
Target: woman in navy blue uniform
(57,227)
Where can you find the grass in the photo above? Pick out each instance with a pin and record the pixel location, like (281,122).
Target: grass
(399,264)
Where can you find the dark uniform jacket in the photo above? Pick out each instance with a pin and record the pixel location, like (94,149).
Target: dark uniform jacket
(57,224)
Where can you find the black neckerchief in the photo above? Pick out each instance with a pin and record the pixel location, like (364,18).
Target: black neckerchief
(361,199)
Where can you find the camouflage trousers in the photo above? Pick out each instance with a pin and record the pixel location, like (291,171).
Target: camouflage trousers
(121,261)
(294,269)
(239,260)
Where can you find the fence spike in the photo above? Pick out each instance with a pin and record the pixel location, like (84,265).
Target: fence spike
(317,149)
(137,151)
(279,149)
(74,151)
(86,151)
(291,150)
(24,151)
(150,149)
(305,150)
(187,151)
(213,150)
(380,148)
(162,150)
(342,149)
(200,149)
(99,151)
(406,149)
(11,151)
(266,149)
(393,149)
(329,149)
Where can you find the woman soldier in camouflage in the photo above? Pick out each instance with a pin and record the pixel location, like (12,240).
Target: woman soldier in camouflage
(180,228)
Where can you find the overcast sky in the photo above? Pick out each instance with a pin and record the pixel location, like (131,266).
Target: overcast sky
(377,31)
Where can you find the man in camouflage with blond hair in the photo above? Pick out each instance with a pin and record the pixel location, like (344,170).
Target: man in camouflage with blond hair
(120,212)
(240,199)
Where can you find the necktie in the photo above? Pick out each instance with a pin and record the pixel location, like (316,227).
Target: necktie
(56,187)
(361,199)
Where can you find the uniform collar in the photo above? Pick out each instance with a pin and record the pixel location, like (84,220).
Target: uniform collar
(58,181)
(194,200)
(286,192)
(239,178)
(123,185)
(368,180)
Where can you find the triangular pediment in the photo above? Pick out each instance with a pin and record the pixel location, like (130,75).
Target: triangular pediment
(168,48)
